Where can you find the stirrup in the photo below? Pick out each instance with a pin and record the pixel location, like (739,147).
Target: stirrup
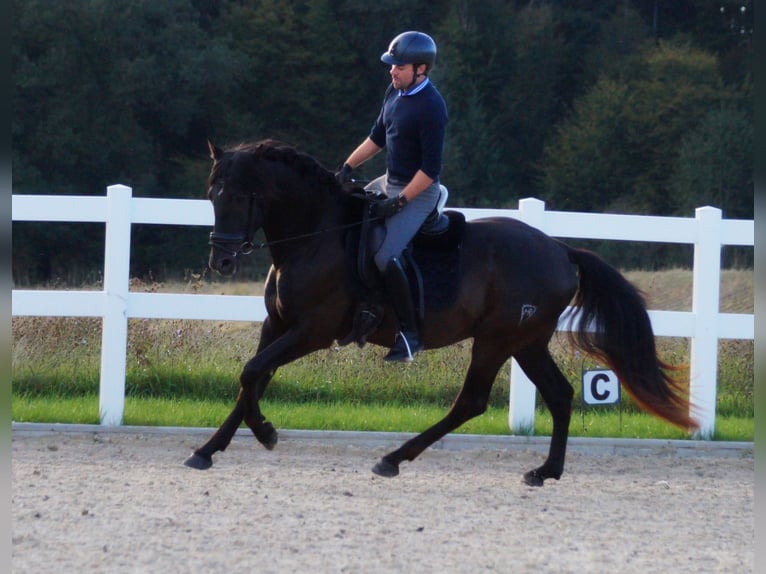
(405,347)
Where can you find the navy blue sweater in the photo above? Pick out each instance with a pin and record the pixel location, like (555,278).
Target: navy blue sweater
(412,128)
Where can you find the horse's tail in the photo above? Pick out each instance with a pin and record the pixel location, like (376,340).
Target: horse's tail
(614,326)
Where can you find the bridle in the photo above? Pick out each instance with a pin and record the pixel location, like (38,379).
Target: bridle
(243,241)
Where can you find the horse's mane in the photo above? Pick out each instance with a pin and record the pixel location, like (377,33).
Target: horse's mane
(301,162)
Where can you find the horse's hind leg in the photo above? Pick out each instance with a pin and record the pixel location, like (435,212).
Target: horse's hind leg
(470,402)
(557,393)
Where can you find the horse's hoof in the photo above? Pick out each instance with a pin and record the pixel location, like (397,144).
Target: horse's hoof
(270,438)
(385,468)
(199,462)
(271,441)
(533,478)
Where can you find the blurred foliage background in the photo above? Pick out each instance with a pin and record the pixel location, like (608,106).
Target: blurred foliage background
(621,106)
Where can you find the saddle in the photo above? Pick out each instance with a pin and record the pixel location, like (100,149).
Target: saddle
(431,260)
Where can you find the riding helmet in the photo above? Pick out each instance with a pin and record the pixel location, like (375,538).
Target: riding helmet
(411,48)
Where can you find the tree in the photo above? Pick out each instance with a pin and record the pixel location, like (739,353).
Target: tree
(105,92)
(530,103)
(474,64)
(587,104)
(715,166)
(584,166)
(110,91)
(471,161)
(619,149)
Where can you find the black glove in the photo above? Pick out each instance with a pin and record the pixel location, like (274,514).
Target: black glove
(344,174)
(388,207)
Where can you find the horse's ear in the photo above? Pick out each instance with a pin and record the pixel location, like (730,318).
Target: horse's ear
(215,152)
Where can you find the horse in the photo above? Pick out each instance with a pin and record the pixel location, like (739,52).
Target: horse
(515,282)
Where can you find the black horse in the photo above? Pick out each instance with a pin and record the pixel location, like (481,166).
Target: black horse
(515,282)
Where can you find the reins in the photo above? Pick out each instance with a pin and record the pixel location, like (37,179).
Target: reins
(246,247)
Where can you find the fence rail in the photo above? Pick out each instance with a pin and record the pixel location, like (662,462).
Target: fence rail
(115,304)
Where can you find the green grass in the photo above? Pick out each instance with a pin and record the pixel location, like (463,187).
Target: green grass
(361,417)
(185,373)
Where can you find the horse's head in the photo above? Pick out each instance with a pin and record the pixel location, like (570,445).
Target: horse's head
(232,189)
(266,185)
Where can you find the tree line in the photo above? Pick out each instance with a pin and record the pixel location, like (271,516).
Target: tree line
(625,106)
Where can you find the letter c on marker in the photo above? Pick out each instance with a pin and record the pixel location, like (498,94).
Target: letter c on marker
(599,378)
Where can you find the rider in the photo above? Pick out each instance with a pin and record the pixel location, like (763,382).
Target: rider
(411,126)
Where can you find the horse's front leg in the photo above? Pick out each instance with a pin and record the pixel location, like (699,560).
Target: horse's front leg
(253,385)
(273,351)
(202,458)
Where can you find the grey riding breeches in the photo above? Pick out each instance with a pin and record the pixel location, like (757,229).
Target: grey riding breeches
(402,227)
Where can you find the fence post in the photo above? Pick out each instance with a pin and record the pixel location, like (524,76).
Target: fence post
(521,407)
(114,334)
(703,371)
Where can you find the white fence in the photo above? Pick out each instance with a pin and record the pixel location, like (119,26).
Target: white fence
(708,232)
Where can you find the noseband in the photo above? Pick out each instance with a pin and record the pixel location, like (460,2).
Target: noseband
(236,244)
(224,241)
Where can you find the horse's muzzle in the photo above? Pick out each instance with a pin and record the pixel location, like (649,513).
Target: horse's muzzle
(225,251)
(223,263)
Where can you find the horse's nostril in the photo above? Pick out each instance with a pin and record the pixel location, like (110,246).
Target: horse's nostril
(227,266)
(223,265)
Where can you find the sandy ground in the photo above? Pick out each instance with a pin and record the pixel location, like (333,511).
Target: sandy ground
(124,503)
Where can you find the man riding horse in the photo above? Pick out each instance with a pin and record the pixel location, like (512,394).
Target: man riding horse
(411,127)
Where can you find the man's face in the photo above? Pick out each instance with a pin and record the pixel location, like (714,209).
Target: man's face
(402,77)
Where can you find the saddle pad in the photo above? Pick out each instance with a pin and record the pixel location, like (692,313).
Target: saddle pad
(438,258)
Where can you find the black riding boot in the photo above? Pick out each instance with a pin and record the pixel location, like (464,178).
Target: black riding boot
(398,287)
